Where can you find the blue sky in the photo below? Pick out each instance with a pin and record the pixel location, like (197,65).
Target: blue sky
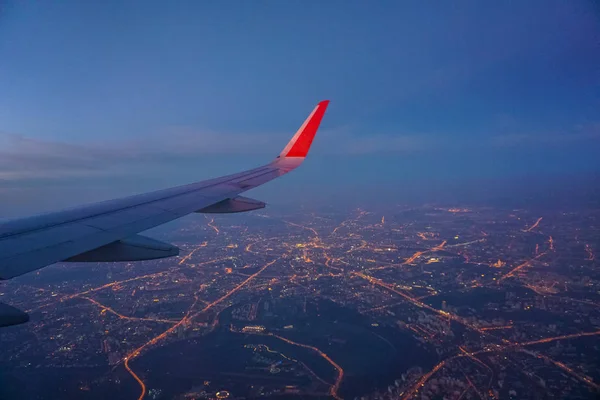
(100,99)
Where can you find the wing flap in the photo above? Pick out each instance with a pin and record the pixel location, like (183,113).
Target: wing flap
(11,316)
(135,248)
(234,205)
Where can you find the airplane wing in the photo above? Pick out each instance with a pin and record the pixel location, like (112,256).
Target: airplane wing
(108,231)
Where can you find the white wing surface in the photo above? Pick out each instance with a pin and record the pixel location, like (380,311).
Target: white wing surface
(108,231)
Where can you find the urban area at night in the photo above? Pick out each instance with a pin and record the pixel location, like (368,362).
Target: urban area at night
(295,199)
(394,302)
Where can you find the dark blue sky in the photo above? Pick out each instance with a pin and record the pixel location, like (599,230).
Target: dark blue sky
(100,99)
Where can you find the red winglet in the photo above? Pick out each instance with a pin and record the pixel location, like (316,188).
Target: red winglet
(300,143)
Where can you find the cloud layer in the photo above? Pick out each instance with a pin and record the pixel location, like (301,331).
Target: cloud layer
(26,158)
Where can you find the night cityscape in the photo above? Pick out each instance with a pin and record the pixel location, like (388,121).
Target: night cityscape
(396,302)
(285,200)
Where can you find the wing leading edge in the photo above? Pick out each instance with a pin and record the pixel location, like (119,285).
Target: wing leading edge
(87,232)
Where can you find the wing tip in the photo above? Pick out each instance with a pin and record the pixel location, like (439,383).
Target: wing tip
(302,140)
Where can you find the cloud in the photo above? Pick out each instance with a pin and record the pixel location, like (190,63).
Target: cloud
(26,158)
(23,157)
